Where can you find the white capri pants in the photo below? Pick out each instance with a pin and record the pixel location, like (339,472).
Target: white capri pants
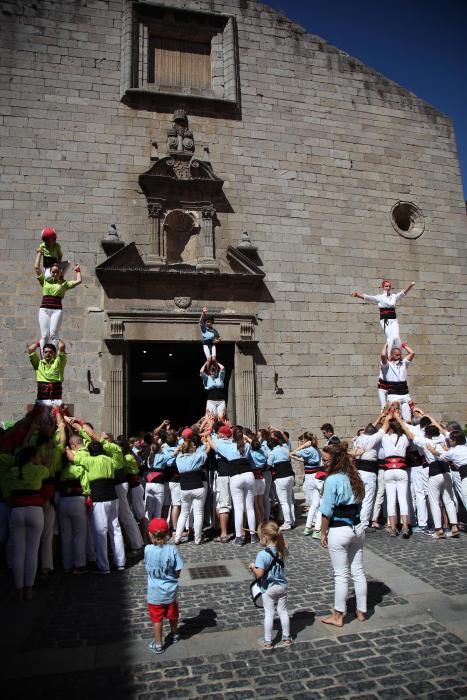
(396,483)
(216,407)
(284,492)
(127,520)
(175,493)
(440,488)
(192,499)
(209,350)
(369,479)
(417,490)
(314,489)
(242,489)
(345,545)
(72,515)
(391,331)
(136,499)
(154,499)
(274,596)
(223,496)
(50,321)
(104,521)
(26,525)
(404,404)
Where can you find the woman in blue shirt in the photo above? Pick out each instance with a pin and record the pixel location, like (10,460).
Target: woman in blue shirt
(213,375)
(284,477)
(190,459)
(310,456)
(341,531)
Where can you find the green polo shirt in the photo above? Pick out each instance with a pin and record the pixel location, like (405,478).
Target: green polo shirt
(115,452)
(54,251)
(99,467)
(49,371)
(54,289)
(33,476)
(73,471)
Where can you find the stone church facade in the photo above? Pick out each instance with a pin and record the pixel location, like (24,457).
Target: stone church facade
(198,153)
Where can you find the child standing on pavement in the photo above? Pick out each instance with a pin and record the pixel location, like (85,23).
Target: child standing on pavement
(163,564)
(209,334)
(270,573)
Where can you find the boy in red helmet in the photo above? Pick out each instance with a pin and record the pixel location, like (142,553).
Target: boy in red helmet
(49,249)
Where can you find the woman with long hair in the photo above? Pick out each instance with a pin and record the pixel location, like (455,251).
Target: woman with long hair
(341,531)
(395,442)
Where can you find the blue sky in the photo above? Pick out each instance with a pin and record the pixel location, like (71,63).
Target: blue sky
(421,44)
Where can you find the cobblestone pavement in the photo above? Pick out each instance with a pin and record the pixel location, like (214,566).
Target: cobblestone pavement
(86,637)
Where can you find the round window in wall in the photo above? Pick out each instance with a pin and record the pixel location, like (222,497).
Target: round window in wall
(407,220)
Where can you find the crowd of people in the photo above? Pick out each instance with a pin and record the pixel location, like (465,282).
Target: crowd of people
(67,489)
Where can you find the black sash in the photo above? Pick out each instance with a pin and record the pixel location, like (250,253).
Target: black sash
(386,314)
(223,468)
(350,512)
(437,467)
(70,487)
(282,469)
(191,480)
(216,394)
(399,388)
(120,477)
(368,465)
(102,490)
(50,302)
(51,391)
(239,466)
(463,471)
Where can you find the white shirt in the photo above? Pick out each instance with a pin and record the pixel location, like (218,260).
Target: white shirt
(435,442)
(394,447)
(456,455)
(395,371)
(370,444)
(384,301)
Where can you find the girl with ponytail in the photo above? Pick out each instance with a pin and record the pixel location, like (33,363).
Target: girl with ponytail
(341,531)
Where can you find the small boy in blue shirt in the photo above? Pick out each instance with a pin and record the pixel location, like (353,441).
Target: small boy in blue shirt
(163,564)
(209,334)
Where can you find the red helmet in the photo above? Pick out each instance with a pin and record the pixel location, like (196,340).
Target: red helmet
(48,232)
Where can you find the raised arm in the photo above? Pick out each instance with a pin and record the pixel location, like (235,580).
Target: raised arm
(404,426)
(203,369)
(409,351)
(384,354)
(37,263)
(78,280)
(407,289)
(357,295)
(438,425)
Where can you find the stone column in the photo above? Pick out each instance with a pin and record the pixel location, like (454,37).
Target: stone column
(245,388)
(206,260)
(115,389)
(157,256)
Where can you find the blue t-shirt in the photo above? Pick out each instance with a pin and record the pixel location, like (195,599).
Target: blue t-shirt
(257,458)
(229,449)
(310,455)
(162,563)
(279,453)
(337,492)
(210,382)
(275,575)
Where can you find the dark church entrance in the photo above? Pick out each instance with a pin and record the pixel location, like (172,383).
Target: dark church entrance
(164,382)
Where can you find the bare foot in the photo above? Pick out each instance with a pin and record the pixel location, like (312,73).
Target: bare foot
(360,616)
(336,619)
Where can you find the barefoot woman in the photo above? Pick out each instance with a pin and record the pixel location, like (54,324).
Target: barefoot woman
(341,531)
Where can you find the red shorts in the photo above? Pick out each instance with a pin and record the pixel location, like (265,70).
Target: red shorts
(158,612)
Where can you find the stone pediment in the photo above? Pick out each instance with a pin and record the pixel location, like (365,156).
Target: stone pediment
(126,275)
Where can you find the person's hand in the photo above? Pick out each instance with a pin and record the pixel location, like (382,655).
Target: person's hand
(324,540)
(77,268)
(251,566)
(354,294)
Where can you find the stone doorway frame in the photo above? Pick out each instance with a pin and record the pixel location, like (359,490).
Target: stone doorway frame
(148,326)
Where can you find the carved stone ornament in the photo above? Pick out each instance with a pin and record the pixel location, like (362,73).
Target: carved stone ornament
(155,210)
(116,329)
(181,169)
(182,302)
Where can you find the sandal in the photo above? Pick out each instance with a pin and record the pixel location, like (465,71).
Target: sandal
(286,643)
(266,645)
(223,539)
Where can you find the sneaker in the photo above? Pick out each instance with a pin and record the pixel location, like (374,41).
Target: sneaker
(254,539)
(429,531)
(453,535)
(393,533)
(156,648)
(285,527)
(307,531)
(405,532)
(441,535)
(238,541)
(120,568)
(316,535)
(418,529)
(176,638)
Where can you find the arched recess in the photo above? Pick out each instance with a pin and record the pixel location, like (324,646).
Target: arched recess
(180,228)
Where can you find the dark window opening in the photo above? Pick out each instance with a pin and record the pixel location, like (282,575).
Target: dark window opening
(164,382)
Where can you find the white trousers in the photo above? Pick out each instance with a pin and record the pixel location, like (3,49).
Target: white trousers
(284,491)
(26,525)
(46,550)
(126,517)
(391,331)
(192,498)
(73,519)
(313,488)
(368,502)
(267,494)
(242,488)
(223,495)
(417,490)
(175,493)
(275,596)
(396,483)
(379,499)
(383,397)
(460,487)
(136,499)
(346,553)
(440,489)
(154,499)
(104,521)
(209,351)
(50,321)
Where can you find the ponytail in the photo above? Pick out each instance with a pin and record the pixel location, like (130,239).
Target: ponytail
(273,533)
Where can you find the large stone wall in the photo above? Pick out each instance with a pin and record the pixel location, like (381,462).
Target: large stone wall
(323,150)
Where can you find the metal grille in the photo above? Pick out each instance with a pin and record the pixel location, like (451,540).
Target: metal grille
(208,572)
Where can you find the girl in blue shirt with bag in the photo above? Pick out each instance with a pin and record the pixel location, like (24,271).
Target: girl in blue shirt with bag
(269,571)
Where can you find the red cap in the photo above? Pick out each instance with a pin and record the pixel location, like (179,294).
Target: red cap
(48,232)
(187,433)
(158,525)
(226,431)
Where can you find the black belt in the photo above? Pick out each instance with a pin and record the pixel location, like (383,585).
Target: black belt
(191,480)
(239,466)
(216,394)
(437,467)
(368,465)
(282,470)
(349,512)
(102,490)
